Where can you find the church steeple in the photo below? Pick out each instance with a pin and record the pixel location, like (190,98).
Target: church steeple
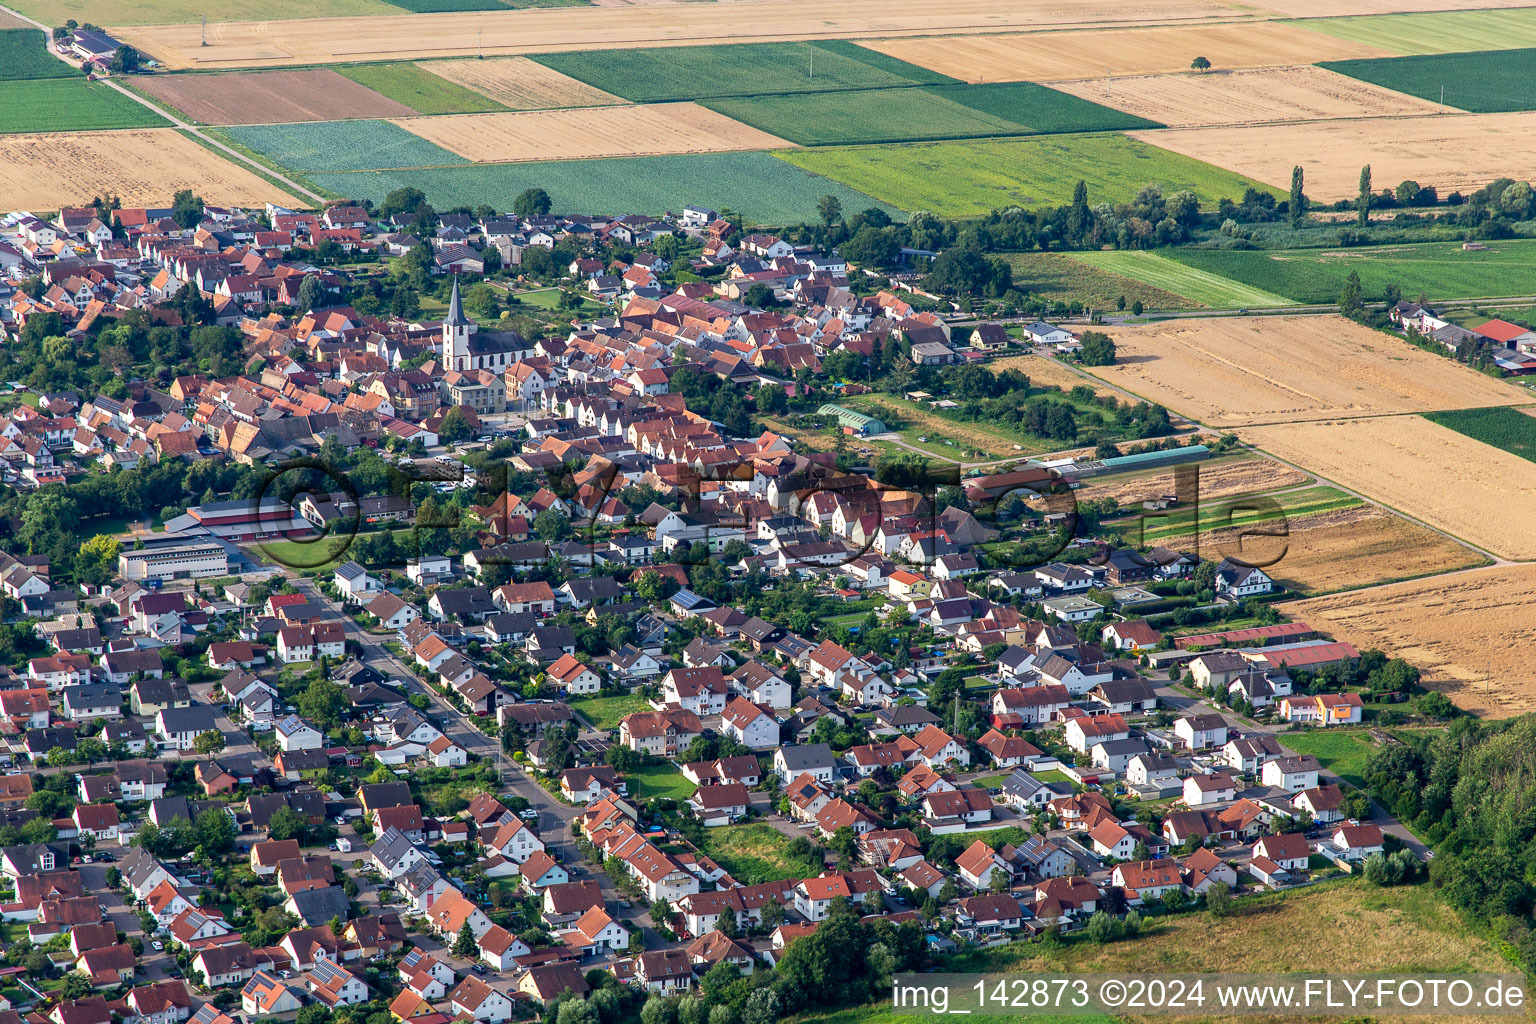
(456,331)
(455,308)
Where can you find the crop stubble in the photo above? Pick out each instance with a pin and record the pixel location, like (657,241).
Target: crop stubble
(142,167)
(1281,369)
(590,132)
(270,97)
(520,83)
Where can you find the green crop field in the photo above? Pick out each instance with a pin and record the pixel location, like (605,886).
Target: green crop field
(1058,277)
(748,69)
(341,145)
(1442,270)
(24,54)
(1500,426)
(922,113)
(1438,32)
(419,89)
(1198,286)
(1245,511)
(968,179)
(69,105)
(765,190)
(1483,82)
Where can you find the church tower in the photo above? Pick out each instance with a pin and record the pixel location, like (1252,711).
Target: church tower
(456,331)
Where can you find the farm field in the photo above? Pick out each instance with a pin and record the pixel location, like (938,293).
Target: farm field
(1463,632)
(341,145)
(1231,516)
(1246,96)
(418,90)
(1220,477)
(24,55)
(519,83)
(1043,371)
(1122,51)
(1422,469)
(1444,31)
(686,72)
(1450,153)
(582,133)
(914,114)
(1485,82)
(1442,270)
(1512,430)
(968,179)
(1060,277)
(115,13)
(1198,287)
(1276,369)
(1339,8)
(69,105)
(47,171)
(1348,548)
(269,97)
(763,188)
(386,33)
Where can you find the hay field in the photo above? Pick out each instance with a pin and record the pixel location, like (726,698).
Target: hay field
(1462,152)
(270,97)
(1057,56)
(546,30)
(1248,96)
(165,12)
(583,133)
(1448,480)
(1337,550)
(1343,8)
(47,171)
(520,83)
(1461,631)
(1222,477)
(1281,369)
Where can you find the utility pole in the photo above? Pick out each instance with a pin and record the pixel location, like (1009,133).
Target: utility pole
(1442,99)
(1108,81)
(812,47)
(479,50)
(205,35)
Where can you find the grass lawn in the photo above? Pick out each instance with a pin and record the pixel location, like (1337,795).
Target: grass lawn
(660,781)
(419,89)
(989,781)
(1342,751)
(325,553)
(1196,285)
(1052,776)
(970,179)
(605,712)
(70,105)
(1063,277)
(756,853)
(549,298)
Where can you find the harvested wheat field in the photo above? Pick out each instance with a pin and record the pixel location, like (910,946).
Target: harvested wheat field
(1044,371)
(546,30)
(520,83)
(142,167)
(1342,549)
(1253,96)
(1221,477)
(1279,369)
(1342,8)
(586,132)
(1463,151)
(270,97)
(1448,480)
(1053,56)
(1461,631)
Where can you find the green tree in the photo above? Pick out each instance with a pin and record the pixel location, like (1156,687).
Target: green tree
(311,292)
(209,743)
(287,823)
(1298,204)
(1200,64)
(1363,200)
(1098,349)
(126,60)
(455,427)
(1218,899)
(830,209)
(532,202)
(1350,302)
(187,208)
(1079,217)
(464,943)
(96,561)
(870,247)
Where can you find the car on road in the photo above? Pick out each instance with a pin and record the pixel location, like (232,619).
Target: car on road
(157,946)
(478,968)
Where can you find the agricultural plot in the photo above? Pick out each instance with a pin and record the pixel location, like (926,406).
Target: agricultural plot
(24,55)
(69,105)
(114,13)
(1059,277)
(1221,477)
(968,179)
(269,97)
(1429,472)
(1467,633)
(519,83)
(589,132)
(686,72)
(1513,430)
(45,172)
(1450,153)
(341,145)
(1486,82)
(765,190)
(1444,31)
(1198,287)
(1337,8)
(1122,51)
(916,114)
(418,90)
(1233,516)
(1249,96)
(1442,270)
(1236,372)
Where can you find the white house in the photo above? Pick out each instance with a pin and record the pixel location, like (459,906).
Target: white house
(1292,774)
(750,725)
(354,583)
(293,733)
(1201,732)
